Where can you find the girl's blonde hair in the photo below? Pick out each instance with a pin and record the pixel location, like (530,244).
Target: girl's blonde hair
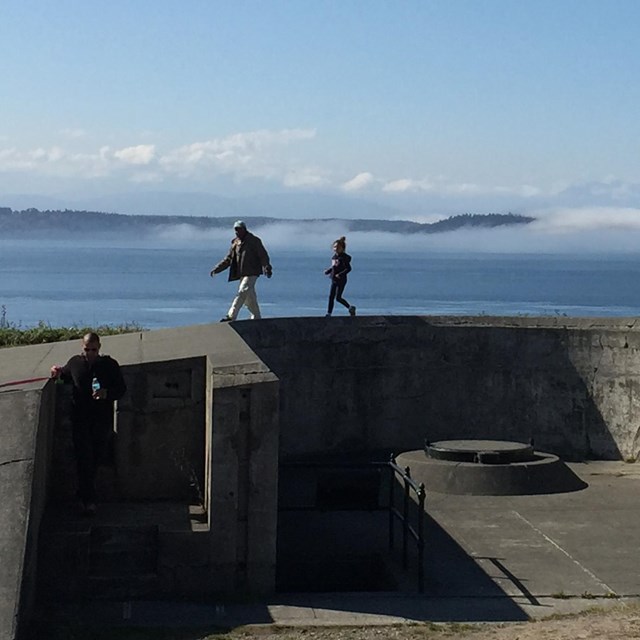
(341,241)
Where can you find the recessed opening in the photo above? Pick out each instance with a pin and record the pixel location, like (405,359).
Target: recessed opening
(367,572)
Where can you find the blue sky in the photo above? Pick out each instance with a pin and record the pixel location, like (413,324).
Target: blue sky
(424,106)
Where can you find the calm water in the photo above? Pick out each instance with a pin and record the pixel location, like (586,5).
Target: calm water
(64,285)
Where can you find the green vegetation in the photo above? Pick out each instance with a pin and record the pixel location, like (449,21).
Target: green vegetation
(15,336)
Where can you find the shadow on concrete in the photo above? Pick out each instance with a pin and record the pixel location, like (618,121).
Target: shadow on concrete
(312,544)
(165,619)
(390,382)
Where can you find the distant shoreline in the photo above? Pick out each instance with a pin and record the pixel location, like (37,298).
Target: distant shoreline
(34,223)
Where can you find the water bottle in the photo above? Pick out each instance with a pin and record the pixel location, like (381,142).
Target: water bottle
(95,385)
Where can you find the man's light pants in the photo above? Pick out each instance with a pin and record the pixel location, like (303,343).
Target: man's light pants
(247,296)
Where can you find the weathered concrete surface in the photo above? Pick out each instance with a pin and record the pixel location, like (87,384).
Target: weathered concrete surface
(571,544)
(544,475)
(220,340)
(387,383)
(161,430)
(23,471)
(242,487)
(500,559)
(366,385)
(160,444)
(162,459)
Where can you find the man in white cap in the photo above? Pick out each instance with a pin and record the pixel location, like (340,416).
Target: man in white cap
(247,260)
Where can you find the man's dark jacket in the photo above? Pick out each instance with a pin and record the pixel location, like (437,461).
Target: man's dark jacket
(107,371)
(246,257)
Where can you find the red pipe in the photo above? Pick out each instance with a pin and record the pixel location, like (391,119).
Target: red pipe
(16,382)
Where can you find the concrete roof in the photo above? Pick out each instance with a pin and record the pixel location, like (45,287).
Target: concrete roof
(219,340)
(19,363)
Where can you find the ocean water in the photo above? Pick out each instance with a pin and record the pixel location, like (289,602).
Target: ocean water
(74,283)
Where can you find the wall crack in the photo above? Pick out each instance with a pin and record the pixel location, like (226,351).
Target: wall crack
(2,464)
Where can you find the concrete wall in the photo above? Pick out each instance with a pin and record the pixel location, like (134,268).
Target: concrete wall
(173,400)
(242,479)
(160,432)
(26,417)
(159,439)
(385,384)
(288,388)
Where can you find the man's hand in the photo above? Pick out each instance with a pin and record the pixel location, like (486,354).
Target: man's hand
(56,371)
(100,394)
(268,271)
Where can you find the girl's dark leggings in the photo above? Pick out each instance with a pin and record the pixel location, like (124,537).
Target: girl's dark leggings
(336,294)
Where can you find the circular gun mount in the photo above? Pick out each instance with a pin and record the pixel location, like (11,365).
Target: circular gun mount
(480,451)
(488,467)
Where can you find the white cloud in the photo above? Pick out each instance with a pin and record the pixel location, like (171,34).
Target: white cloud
(567,220)
(140,154)
(271,156)
(441,186)
(299,234)
(249,154)
(54,161)
(259,154)
(359,182)
(319,235)
(401,185)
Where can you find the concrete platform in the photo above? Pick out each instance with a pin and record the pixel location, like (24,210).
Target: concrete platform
(488,559)
(543,473)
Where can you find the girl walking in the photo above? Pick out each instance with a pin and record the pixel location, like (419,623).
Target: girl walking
(340,267)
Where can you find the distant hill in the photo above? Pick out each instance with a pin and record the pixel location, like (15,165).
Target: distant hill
(34,223)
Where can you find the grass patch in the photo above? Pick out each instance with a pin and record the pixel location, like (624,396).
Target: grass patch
(15,336)
(12,335)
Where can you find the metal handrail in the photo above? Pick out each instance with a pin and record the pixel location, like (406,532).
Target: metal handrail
(416,532)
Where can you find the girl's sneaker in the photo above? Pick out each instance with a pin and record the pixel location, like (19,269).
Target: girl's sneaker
(352,311)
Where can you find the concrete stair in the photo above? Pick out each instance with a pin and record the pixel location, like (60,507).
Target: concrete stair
(127,551)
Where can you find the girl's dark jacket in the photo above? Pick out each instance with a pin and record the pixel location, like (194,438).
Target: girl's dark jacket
(340,266)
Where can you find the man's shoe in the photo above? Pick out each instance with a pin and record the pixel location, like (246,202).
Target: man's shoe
(225,319)
(352,311)
(327,315)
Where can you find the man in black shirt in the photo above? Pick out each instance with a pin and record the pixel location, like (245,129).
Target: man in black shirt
(97,384)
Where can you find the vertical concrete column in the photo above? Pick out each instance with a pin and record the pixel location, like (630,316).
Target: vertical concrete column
(242,485)
(262,524)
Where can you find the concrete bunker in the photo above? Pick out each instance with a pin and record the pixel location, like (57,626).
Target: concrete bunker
(288,391)
(181,495)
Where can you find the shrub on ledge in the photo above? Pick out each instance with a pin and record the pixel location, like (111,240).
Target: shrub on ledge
(13,336)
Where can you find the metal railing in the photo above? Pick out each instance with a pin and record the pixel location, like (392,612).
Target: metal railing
(402,513)
(416,532)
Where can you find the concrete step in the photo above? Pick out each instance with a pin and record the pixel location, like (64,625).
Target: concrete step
(125,551)
(117,551)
